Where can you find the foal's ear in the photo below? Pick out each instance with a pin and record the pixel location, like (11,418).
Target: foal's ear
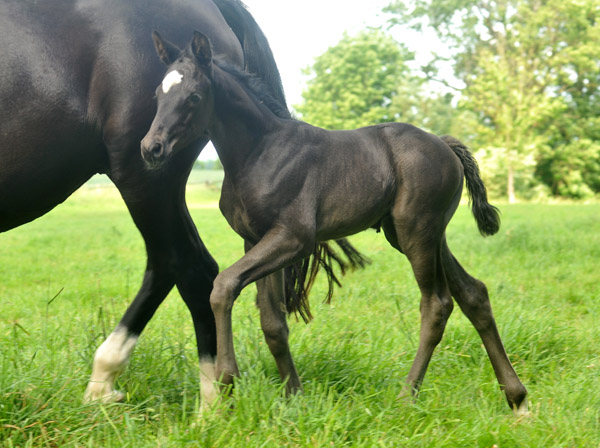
(167,52)
(201,48)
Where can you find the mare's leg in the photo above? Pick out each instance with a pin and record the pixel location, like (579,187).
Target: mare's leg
(423,251)
(274,325)
(275,250)
(472,297)
(176,256)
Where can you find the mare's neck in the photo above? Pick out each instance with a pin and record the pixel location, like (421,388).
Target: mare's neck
(240,123)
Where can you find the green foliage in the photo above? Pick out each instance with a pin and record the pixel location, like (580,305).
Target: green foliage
(541,271)
(362,80)
(532,82)
(531,97)
(572,170)
(208,165)
(366,79)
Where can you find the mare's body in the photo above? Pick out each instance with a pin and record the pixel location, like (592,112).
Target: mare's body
(289,185)
(76,96)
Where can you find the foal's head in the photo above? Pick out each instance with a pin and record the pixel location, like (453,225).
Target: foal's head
(184,98)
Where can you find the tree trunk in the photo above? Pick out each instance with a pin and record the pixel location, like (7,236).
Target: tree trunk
(510,186)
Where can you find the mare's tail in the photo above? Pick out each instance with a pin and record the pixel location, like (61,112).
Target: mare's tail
(300,277)
(486,215)
(258,57)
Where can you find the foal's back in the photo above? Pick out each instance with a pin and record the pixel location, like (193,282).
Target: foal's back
(358,176)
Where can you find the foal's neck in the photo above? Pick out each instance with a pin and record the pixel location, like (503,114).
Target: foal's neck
(241,121)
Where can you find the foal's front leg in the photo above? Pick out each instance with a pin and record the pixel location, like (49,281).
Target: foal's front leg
(278,248)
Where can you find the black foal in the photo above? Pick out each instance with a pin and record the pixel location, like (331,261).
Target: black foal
(289,185)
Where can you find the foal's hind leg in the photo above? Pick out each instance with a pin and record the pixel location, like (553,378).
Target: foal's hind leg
(423,251)
(472,297)
(274,325)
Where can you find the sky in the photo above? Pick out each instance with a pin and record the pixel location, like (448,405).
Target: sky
(300,30)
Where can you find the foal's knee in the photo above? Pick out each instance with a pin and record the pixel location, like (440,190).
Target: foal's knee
(276,335)
(447,305)
(435,311)
(225,290)
(438,307)
(475,303)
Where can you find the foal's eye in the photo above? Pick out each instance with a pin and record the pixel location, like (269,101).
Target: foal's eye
(194,99)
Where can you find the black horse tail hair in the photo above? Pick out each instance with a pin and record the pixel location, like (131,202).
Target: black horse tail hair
(486,215)
(300,277)
(258,57)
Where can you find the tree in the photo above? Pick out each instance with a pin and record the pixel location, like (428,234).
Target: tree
(530,68)
(570,163)
(363,80)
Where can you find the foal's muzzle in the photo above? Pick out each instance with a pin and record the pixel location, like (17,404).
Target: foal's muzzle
(153,151)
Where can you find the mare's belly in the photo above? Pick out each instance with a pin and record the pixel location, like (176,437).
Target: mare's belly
(41,166)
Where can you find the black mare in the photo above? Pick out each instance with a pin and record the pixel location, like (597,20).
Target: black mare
(289,185)
(77,82)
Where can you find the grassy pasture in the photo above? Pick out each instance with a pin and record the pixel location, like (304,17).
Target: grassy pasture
(66,279)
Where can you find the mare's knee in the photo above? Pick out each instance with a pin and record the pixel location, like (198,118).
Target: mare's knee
(200,266)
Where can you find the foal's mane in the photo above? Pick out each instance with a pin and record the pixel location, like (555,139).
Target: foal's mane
(257,88)
(299,277)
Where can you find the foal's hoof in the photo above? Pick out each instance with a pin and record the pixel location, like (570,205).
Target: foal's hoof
(407,395)
(102,396)
(522,411)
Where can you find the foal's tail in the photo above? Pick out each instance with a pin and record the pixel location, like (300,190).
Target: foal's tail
(486,215)
(300,277)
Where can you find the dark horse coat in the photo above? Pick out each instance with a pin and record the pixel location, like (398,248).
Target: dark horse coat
(289,185)
(77,80)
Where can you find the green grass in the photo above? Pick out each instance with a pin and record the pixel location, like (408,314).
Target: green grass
(66,279)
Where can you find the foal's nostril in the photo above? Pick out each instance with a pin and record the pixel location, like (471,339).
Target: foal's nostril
(152,151)
(156,149)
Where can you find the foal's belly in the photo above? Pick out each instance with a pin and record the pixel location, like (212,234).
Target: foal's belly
(352,214)
(356,195)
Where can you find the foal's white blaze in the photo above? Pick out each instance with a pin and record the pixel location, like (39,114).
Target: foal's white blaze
(208,390)
(170,80)
(110,360)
